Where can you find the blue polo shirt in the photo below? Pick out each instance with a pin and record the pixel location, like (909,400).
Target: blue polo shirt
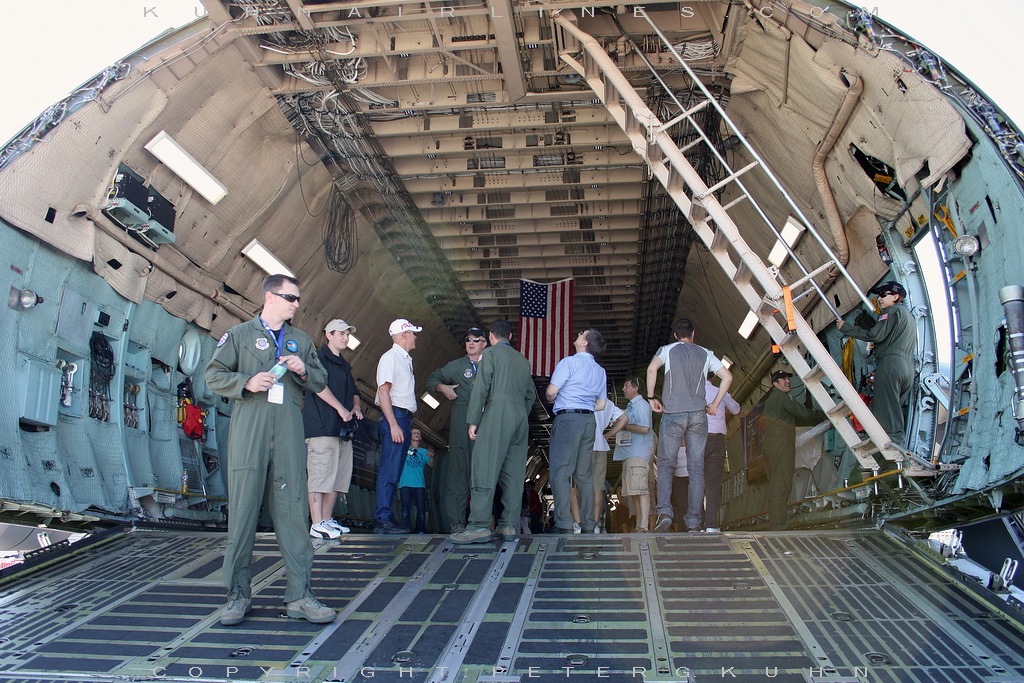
(630,444)
(580,381)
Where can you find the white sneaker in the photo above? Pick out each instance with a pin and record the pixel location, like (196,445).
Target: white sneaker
(334,523)
(323,530)
(576,528)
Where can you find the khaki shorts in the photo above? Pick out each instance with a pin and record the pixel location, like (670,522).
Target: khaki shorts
(634,476)
(328,464)
(600,469)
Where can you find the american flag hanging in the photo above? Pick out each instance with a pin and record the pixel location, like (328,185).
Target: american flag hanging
(545,323)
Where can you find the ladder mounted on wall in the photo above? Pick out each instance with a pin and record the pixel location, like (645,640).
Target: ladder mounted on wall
(762,287)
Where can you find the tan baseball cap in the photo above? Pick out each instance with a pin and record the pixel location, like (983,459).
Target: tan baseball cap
(338,325)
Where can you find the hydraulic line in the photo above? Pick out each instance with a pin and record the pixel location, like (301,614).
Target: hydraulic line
(1012,299)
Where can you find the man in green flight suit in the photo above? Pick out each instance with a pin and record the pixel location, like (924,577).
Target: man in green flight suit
(454,381)
(895,340)
(782,415)
(498,418)
(265,364)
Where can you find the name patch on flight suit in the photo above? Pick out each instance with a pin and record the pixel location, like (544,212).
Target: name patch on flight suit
(262,344)
(291,346)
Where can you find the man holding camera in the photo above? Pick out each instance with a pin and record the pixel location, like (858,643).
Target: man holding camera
(327,417)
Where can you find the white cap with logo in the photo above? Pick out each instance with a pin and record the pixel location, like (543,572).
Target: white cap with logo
(402,325)
(338,325)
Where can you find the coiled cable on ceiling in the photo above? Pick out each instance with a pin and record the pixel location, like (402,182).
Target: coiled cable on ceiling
(339,234)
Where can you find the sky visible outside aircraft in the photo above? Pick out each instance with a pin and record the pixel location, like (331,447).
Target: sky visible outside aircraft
(60,44)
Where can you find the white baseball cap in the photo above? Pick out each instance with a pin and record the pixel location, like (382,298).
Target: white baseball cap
(402,325)
(337,325)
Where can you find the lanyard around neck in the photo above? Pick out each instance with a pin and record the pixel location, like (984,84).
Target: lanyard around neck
(278,336)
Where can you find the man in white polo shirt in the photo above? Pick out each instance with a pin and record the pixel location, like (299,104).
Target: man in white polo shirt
(714,454)
(396,396)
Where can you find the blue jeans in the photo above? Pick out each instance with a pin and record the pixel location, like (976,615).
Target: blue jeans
(676,429)
(392,460)
(414,496)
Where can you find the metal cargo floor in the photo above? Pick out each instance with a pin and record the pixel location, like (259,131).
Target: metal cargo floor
(802,606)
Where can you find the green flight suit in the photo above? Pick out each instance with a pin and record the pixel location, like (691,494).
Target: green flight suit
(895,340)
(782,414)
(500,404)
(461,371)
(265,451)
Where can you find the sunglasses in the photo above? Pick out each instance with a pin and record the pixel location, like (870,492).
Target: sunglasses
(474,339)
(885,294)
(290,298)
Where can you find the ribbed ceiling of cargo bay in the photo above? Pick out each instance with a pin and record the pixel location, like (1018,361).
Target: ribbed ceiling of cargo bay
(478,158)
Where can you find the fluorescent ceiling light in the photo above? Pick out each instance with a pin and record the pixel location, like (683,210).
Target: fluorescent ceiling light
(188,169)
(353,343)
(430,400)
(262,257)
(727,362)
(790,234)
(748,326)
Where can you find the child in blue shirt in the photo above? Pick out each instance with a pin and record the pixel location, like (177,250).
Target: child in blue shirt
(412,487)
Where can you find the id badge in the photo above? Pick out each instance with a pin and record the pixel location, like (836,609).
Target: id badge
(623,438)
(276,394)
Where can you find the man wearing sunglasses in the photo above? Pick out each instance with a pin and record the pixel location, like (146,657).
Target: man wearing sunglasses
(454,381)
(264,365)
(499,421)
(895,340)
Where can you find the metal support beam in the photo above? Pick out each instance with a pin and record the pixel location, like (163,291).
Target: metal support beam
(508,48)
(301,16)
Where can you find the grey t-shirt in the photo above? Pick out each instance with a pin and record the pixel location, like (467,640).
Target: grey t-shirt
(686,367)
